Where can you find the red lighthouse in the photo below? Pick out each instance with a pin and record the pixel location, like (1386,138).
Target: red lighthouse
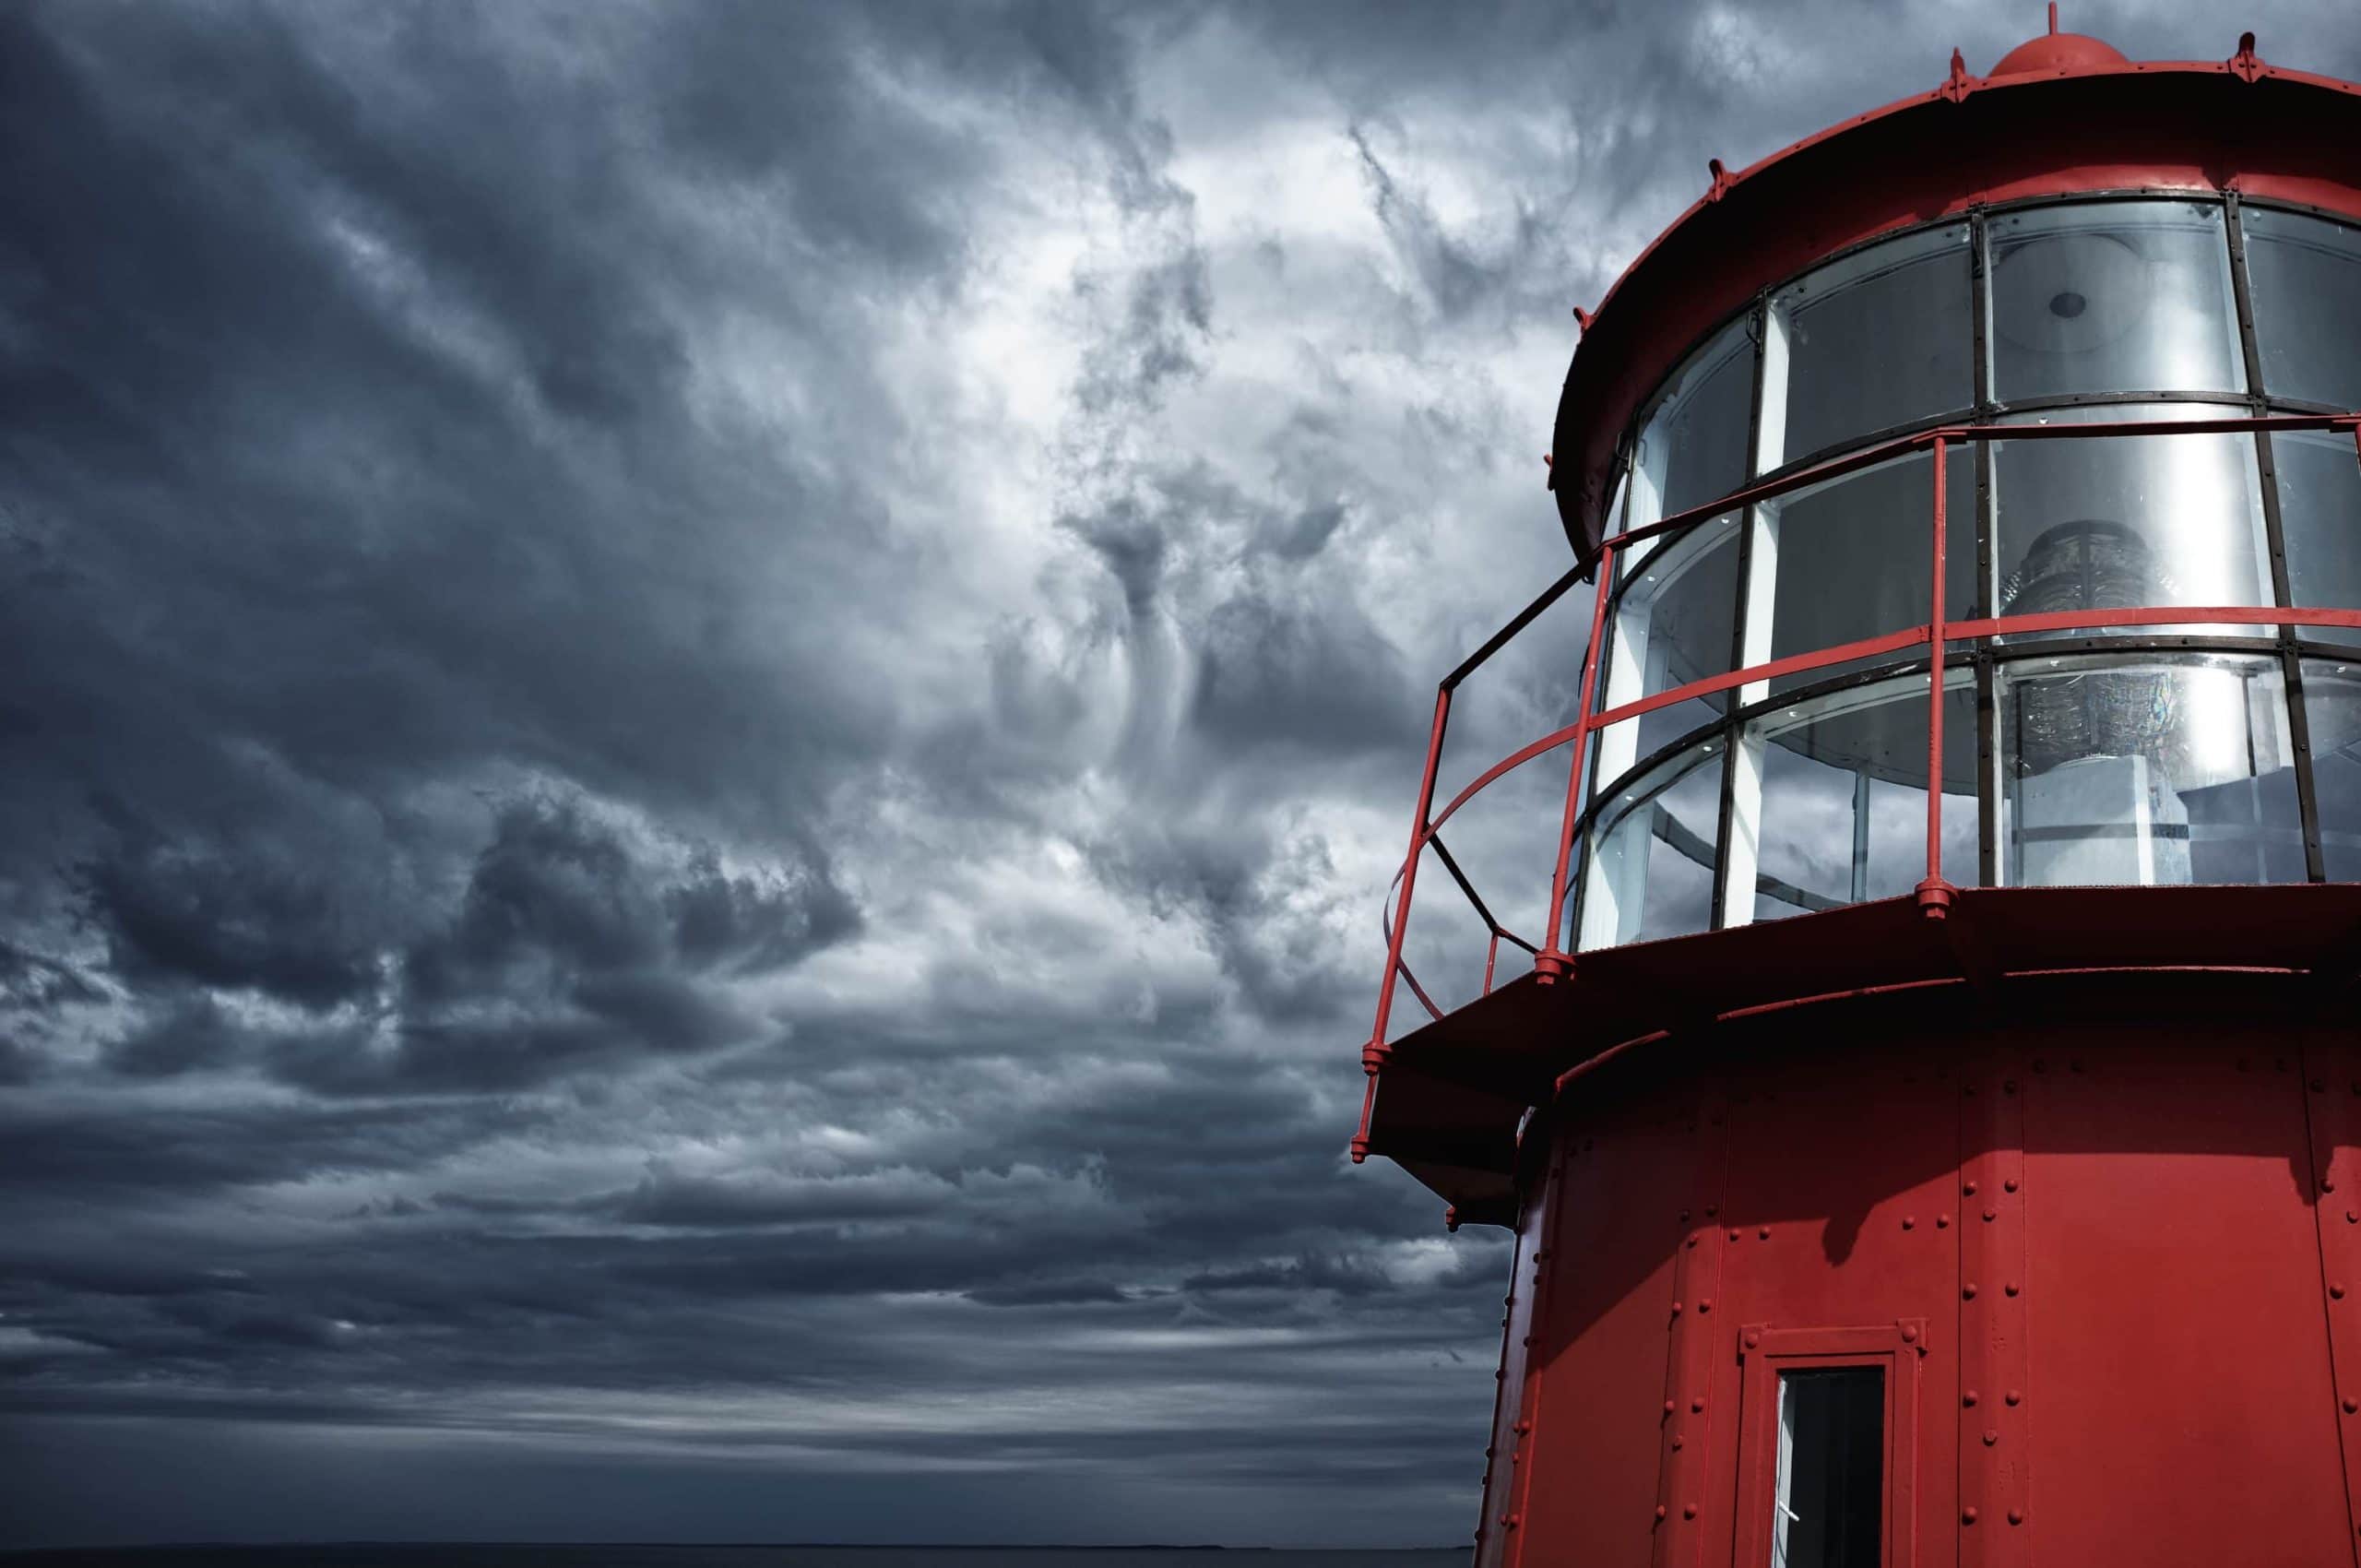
(1931,1122)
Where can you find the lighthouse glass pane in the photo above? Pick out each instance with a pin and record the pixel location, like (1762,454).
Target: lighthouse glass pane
(2305,275)
(2332,708)
(1651,868)
(2130,296)
(1693,446)
(1850,558)
(1675,622)
(1884,337)
(1843,817)
(2319,517)
(2131,770)
(2116,522)
(1828,1498)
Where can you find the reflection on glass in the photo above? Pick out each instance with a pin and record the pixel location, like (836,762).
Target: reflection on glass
(2131,770)
(2129,296)
(1848,559)
(2319,517)
(1839,815)
(1882,336)
(2121,521)
(1692,447)
(2332,709)
(1651,868)
(2304,274)
(1673,622)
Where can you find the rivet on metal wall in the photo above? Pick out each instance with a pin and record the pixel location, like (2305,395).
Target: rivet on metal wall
(2010,1086)
(1969,1397)
(1968,1290)
(1942,1222)
(1968,1187)
(1662,1511)
(1990,1215)
(2016,1516)
(1676,1440)
(1713,1210)
(1697,1403)
(1705,1306)
(1684,1217)
(2014,1397)
(2039,1065)
(1675,1309)
(1669,1407)
(1909,1222)
(1733,1235)
(2350,1404)
(1991,1436)
(2336,1292)
(2011,1184)
(1764,1233)
(1968,1514)
(1752,1340)
(1689,1511)
(2328,1182)
(1910,1334)
(1690,1242)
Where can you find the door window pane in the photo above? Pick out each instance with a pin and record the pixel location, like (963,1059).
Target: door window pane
(2129,296)
(1651,872)
(2320,516)
(1828,1497)
(1692,447)
(1880,337)
(2115,522)
(2127,771)
(2304,274)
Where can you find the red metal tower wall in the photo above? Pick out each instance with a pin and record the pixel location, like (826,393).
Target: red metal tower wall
(2095,1233)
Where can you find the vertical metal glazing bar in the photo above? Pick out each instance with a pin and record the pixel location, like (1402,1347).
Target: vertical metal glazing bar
(1550,962)
(1935,681)
(1373,1055)
(1491,957)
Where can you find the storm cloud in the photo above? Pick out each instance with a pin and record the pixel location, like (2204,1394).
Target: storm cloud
(703,707)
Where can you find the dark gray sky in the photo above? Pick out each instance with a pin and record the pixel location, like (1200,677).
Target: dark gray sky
(704,705)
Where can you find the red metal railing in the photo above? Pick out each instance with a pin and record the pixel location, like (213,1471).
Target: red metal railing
(1550,962)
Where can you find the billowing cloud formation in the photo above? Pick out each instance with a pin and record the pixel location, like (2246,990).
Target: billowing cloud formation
(704,707)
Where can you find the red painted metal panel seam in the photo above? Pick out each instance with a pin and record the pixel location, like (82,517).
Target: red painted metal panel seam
(1524,1454)
(1995,1365)
(2328,1129)
(1685,1489)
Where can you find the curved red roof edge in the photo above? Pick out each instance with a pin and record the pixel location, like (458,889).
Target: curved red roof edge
(2097,124)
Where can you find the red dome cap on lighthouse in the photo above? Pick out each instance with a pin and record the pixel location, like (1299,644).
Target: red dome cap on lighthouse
(2056,51)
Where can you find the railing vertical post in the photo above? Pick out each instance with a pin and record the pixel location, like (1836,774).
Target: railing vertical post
(1934,893)
(1374,1055)
(1552,963)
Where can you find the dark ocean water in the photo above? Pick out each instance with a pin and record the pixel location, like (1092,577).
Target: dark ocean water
(465,1556)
